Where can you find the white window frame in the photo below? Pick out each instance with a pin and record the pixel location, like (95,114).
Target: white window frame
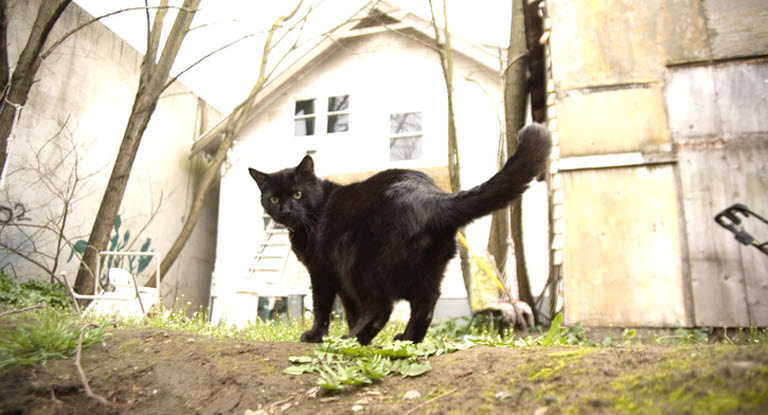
(314,116)
(411,134)
(329,114)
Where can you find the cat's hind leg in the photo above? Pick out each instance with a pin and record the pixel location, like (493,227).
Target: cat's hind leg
(422,308)
(351,310)
(371,321)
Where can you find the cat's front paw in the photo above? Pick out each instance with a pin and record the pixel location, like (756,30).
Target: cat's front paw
(312,336)
(400,336)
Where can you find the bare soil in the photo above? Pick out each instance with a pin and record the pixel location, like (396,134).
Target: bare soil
(154,371)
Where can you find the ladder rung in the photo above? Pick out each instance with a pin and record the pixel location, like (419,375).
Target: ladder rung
(265,259)
(277,231)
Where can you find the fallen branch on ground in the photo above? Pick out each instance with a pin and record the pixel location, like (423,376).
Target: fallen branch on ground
(88,391)
(21,310)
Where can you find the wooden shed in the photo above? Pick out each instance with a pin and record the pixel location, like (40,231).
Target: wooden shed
(659,110)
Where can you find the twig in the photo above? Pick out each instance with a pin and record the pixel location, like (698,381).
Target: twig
(430,401)
(96,19)
(209,54)
(88,392)
(71,292)
(25,256)
(725,335)
(21,310)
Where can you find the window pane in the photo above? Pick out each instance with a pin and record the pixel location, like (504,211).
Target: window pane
(405,148)
(406,122)
(305,107)
(338,123)
(339,103)
(304,127)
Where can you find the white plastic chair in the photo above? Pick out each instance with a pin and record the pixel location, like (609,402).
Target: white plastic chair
(128,298)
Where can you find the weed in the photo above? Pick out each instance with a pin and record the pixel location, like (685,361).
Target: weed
(42,335)
(750,335)
(17,294)
(340,362)
(557,335)
(681,335)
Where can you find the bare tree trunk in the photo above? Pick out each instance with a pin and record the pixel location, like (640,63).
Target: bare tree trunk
(514,110)
(498,239)
(152,82)
(5,70)
(14,94)
(445,50)
(233,127)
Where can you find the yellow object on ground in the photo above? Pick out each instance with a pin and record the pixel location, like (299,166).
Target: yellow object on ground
(485,286)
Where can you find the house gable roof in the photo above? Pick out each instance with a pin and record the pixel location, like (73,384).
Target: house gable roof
(377,17)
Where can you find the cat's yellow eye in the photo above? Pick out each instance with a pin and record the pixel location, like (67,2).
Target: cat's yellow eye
(297,195)
(274,200)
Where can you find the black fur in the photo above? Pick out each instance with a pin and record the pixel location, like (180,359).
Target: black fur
(389,237)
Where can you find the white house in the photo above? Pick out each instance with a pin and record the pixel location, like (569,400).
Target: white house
(368,97)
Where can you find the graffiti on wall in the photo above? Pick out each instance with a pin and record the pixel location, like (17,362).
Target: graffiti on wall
(16,243)
(117,243)
(9,215)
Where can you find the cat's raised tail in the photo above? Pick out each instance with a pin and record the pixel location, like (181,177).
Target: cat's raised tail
(530,160)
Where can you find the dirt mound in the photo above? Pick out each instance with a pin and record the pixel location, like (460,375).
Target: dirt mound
(153,371)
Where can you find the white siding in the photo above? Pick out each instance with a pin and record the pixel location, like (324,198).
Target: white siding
(383,73)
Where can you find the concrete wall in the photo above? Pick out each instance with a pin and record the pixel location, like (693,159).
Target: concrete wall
(382,73)
(661,119)
(69,132)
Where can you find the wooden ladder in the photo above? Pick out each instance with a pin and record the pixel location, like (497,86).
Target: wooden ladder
(269,263)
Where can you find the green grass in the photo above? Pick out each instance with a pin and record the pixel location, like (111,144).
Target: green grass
(51,332)
(183,319)
(43,334)
(40,334)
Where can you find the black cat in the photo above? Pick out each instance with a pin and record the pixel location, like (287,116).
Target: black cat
(389,237)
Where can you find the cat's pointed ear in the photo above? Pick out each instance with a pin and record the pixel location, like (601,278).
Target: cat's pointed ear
(306,167)
(259,177)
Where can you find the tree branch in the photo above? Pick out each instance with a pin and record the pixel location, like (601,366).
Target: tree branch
(66,36)
(21,310)
(234,124)
(25,257)
(215,51)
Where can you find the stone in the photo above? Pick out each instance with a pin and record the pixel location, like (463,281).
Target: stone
(411,395)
